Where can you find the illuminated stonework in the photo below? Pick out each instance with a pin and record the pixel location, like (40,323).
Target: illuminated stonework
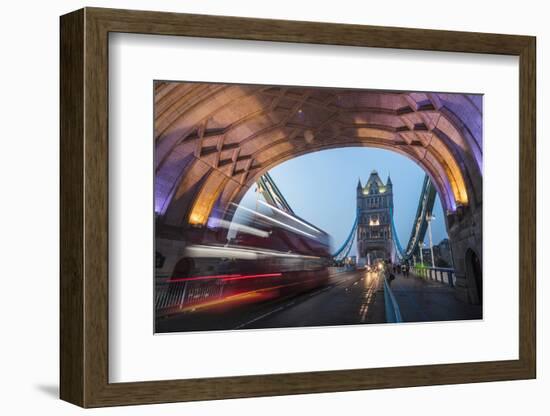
(204,131)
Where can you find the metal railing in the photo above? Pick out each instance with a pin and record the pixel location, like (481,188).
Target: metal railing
(173,296)
(438,274)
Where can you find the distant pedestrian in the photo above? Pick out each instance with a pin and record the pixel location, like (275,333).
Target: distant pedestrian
(407,270)
(390,277)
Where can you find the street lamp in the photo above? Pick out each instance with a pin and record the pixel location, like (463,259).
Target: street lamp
(430,218)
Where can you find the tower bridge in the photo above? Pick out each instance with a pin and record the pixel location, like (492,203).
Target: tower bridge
(215,141)
(429,294)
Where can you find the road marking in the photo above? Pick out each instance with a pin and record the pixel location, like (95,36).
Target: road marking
(369,298)
(295,301)
(284,306)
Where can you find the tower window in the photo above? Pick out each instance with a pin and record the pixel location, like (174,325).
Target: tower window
(374,220)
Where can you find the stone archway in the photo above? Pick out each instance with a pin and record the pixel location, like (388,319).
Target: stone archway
(213,141)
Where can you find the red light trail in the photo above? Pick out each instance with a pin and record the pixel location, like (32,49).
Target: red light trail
(225,277)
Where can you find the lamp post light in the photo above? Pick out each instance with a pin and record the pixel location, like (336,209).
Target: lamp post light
(430,218)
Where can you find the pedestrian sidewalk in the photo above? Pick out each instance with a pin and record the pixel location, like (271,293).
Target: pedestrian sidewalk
(422,300)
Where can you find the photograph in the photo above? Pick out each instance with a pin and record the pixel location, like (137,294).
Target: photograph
(282,206)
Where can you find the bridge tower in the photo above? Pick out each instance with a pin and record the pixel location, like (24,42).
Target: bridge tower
(374,231)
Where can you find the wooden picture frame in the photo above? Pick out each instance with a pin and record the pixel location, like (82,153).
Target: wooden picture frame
(84,207)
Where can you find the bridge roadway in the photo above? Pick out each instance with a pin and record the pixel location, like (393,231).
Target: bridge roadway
(351,297)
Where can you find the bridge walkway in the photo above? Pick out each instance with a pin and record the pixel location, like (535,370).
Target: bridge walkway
(423,300)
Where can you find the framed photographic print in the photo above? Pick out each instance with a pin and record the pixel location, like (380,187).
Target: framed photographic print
(256,207)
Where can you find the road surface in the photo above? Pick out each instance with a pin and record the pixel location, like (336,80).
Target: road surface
(351,297)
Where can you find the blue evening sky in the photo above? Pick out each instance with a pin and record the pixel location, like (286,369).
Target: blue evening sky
(321,188)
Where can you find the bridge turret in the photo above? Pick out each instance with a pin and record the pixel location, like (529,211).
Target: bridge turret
(389,192)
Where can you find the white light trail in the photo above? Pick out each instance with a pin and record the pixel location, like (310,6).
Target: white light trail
(203,251)
(282,224)
(286,214)
(217,252)
(243,228)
